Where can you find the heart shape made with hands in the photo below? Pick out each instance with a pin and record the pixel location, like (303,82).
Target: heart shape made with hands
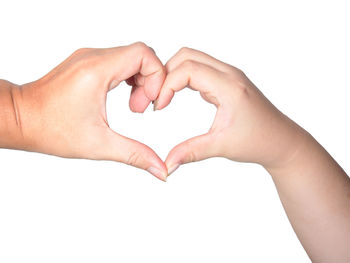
(159,87)
(245,123)
(73,95)
(151,81)
(187,116)
(217,82)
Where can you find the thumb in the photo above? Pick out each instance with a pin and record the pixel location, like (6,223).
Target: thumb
(116,147)
(195,149)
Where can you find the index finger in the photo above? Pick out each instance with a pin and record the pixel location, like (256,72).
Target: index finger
(197,76)
(128,61)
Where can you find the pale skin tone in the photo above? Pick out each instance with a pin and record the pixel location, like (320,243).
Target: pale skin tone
(64,114)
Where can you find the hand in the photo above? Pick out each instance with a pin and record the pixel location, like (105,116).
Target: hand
(247,127)
(64,113)
(313,188)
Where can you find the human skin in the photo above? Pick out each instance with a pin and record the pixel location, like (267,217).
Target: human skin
(313,188)
(64,112)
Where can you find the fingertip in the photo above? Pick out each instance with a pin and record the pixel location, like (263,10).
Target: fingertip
(157,167)
(164,99)
(172,164)
(173,160)
(138,101)
(137,108)
(137,154)
(172,168)
(160,174)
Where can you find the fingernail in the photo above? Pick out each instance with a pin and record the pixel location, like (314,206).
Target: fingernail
(157,173)
(172,168)
(155,104)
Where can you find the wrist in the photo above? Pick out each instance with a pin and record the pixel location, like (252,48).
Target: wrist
(287,145)
(294,152)
(11,135)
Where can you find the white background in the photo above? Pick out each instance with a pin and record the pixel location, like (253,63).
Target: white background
(61,210)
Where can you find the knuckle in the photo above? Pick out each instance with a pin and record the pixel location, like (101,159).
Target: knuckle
(140,43)
(242,78)
(242,83)
(85,71)
(86,60)
(190,65)
(141,46)
(242,90)
(184,51)
(236,72)
(181,55)
(81,51)
(240,72)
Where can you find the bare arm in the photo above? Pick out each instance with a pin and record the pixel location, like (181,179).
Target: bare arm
(314,189)
(315,192)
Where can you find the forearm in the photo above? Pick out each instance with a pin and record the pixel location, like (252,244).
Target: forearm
(315,192)
(10,121)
